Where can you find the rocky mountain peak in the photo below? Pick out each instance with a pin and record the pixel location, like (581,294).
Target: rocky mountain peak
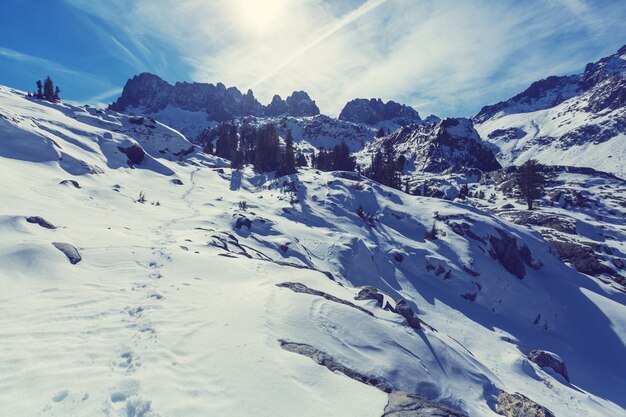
(554,90)
(149,94)
(299,104)
(374,111)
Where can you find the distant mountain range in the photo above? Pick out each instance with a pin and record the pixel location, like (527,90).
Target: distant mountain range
(577,120)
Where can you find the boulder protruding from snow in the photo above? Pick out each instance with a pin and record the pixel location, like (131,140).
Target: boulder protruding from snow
(403,309)
(73,183)
(406,404)
(512,258)
(135,153)
(41,222)
(322,358)
(549,360)
(517,405)
(70,251)
(370,293)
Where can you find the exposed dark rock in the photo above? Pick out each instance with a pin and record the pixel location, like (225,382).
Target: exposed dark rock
(549,360)
(322,358)
(507,134)
(184,152)
(135,153)
(464,229)
(371,293)
(277,107)
(399,404)
(243,221)
(405,404)
(538,219)
(70,182)
(301,288)
(583,258)
(176,181)
(70,251)
(373,111)
(299,104)
(41,222)
(512,258)
(136,120)
(470,296)
(517,405)
(403,309)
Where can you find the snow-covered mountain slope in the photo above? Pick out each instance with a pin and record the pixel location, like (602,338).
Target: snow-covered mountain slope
(447,145)
(227,293)
(582,214)
(83,139)
(576,120)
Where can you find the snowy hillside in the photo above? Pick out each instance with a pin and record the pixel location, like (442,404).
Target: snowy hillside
(576,120)
(170,285)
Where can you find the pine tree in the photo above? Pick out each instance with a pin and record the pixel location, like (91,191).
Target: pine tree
(289,159)
(39,94)
(57,93)
(530,181)
(48,89)
(380,133)
(341,158)
(463,192)
(301,160)
(267,151)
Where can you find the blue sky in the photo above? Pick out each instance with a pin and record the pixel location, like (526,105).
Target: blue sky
(440,56)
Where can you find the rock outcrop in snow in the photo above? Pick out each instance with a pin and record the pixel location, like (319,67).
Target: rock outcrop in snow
(449,145)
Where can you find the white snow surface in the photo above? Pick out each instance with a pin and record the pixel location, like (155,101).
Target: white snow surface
(545,137)
(160,318)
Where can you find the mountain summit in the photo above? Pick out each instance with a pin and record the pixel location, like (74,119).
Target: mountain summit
(374,111)
(148,94)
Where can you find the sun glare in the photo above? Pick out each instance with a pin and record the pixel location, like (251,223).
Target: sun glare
(260,15)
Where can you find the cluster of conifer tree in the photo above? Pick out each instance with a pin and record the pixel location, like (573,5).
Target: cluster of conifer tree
(336,159)
(259,146)
(46,90)
(386,169)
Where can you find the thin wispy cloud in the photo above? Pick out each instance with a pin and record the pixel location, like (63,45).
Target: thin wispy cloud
(51,66)
(99,98)
(444,57)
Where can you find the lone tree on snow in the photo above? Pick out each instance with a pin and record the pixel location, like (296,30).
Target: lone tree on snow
(530,181)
